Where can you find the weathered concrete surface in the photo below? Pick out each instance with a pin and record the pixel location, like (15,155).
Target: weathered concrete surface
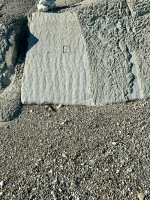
(112,67)
(56,67)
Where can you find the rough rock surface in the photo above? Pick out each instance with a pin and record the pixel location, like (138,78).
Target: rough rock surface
(13,31)
(12,55)
(117,36)
(117,43)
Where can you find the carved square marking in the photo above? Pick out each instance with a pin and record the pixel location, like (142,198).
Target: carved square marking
(66,49)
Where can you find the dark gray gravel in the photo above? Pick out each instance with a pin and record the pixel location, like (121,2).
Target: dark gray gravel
(76,152)
(11,11)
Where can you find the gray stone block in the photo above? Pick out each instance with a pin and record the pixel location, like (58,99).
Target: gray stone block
(97,54)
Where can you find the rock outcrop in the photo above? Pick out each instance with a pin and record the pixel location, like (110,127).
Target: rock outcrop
(114,57)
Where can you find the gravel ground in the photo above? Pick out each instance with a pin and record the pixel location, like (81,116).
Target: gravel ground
(76,152)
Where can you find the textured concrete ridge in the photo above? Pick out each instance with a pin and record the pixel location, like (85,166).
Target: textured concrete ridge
(117,36)
(96,55)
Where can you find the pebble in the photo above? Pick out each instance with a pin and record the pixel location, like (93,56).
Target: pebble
(1,193)
(48,115)
(7,126)
(77,198)
(129,170)
(114,143)
(2,184)
(141,196)
(63,123)
(50,171)
(64,155)
(59,106)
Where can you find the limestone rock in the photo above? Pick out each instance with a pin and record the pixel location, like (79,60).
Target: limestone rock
(141,196)
(45,5)
(96,55)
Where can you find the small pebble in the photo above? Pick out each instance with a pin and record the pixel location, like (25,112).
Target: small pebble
(114,143)
(48,115)
(2,184)
(50,171)
(64,155)
(63,123)
(77,198)
(59,106)
(129,170)
(141,196)
(7,126)
(1,193)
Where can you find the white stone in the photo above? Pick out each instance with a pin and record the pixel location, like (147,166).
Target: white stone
(2,184)
(114,143)
(45,5)
(141,196)
(129,170)
(42,8)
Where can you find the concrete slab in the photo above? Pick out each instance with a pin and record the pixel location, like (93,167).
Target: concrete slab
(56,67)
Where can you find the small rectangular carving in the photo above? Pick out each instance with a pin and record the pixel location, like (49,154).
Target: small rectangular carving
(66,49)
